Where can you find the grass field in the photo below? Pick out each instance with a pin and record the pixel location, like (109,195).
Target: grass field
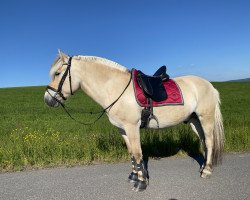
(33,135)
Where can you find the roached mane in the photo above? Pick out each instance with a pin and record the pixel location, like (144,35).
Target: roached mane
(103,61)
(57,63)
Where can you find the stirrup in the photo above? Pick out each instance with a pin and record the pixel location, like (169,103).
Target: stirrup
(147,115)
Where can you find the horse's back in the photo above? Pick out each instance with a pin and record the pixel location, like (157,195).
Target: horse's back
(199,90)
(194,84)
(192,80)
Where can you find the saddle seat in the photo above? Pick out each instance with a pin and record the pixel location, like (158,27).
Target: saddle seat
(152,86)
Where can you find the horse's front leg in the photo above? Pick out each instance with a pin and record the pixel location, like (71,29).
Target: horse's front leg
(139,174)
(133,177)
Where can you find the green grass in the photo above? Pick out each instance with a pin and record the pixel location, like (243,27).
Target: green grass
(235,97)
(34,135)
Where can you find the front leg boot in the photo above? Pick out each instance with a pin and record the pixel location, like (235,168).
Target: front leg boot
(142,173)
(133,177)
(140,186)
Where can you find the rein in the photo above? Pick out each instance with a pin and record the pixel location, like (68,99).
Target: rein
(102,111)
(59,92)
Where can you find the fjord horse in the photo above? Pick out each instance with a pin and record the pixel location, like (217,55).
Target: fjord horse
(201,106)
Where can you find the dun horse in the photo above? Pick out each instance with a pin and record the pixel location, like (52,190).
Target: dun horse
(109,84)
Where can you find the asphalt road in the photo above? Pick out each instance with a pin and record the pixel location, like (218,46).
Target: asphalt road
(170,178)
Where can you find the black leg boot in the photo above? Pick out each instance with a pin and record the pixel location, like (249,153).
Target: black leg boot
(142,182)
(133,177)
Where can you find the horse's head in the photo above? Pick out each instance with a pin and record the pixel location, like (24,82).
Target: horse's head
(62,84)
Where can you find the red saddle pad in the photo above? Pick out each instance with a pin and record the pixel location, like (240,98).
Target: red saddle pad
(171,87)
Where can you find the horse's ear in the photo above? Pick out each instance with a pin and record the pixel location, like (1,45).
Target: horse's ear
(63,56)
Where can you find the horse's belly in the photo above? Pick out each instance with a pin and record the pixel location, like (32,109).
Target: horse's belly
(170,116)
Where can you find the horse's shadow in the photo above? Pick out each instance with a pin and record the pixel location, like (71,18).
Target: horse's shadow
(157,149)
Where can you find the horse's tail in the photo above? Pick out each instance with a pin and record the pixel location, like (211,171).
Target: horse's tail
(218,133)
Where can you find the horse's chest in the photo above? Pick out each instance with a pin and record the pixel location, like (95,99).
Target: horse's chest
(113,120)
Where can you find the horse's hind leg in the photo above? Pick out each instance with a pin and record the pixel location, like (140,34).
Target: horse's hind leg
(133,135)
(197,128)
(207,123)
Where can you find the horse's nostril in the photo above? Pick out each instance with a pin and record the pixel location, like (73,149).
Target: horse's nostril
(50,101)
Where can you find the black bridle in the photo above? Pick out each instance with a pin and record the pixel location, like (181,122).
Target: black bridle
(58,91)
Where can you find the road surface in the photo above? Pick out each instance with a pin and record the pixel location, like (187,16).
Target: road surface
(170,178)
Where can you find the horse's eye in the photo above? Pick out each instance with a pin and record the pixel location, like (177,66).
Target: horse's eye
(57,73)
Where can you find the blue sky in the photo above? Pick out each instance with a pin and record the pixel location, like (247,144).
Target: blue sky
(207,38)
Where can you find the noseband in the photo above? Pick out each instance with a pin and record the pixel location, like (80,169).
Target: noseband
(59,89)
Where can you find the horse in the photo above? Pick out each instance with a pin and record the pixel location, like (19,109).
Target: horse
(109,84)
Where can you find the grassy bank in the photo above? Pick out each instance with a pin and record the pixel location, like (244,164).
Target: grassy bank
(235,109)
(33,135)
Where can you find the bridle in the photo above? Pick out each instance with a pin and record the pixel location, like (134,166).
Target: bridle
(58,91)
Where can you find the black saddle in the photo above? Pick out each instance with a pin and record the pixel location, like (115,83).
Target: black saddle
(152,86)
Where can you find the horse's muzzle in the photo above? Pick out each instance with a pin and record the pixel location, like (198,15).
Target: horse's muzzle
(50,100)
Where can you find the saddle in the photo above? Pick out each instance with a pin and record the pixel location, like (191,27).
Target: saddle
(154,90)
(152,86)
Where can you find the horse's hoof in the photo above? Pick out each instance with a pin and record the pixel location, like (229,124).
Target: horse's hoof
(140,186)
(206,173)
(133,177)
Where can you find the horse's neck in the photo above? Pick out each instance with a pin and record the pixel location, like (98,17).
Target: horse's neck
(103,84)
